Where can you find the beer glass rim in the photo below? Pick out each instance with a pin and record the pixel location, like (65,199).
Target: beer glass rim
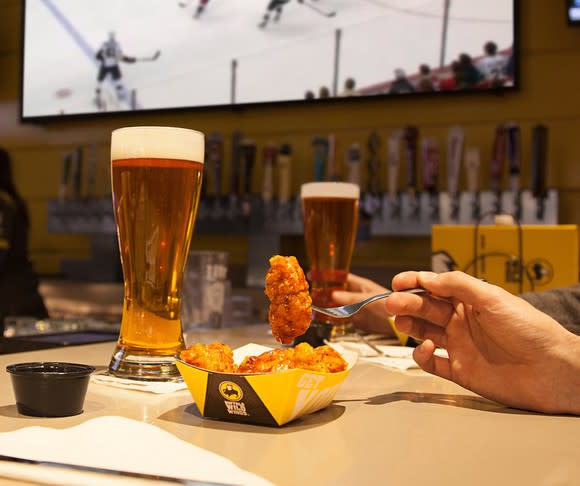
(330,189)
(156,127)
(150,141)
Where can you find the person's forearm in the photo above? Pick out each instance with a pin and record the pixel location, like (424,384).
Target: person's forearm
(569,383)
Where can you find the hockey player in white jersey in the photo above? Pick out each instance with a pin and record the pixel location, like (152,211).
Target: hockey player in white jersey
(109,56)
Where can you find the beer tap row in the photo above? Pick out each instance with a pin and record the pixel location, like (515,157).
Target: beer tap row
(401,187)
(400,176)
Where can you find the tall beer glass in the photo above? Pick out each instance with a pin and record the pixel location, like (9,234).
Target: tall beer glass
(330,214)
(156,182)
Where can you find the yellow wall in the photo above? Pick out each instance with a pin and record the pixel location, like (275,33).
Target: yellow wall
(550,78)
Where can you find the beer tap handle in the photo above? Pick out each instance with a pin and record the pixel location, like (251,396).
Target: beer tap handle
(539,167)
(498,158)
(284,172)
(430,154)
(320,156)
(498,163)
(373,165)
(411,136)
(235,187)
(65,172)
(393,164)
(215,155)
(514,157)
(353,163)
(269,154)
(472,163)
(332,172)
(455,140)
(248,148)
(91,171)
(77,172)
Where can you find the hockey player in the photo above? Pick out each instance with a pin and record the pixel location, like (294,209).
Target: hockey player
(274,6)
(109,55)
(200,7)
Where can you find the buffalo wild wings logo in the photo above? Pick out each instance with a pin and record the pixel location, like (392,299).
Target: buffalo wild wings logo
(233,395)
(230,391)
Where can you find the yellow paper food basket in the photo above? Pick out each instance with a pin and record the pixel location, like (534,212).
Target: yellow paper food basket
(262,398)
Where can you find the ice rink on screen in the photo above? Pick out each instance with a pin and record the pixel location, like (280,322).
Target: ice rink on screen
(279,62)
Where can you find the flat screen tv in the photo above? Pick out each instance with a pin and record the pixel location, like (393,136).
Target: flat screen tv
(88,57)
(573,12)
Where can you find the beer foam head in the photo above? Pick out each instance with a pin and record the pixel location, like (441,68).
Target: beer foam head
(157,143)
(330,189)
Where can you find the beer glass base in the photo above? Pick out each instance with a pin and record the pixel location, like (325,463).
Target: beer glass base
(125,364)
(320,332)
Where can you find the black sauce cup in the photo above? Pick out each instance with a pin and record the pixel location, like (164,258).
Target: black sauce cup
(50,389)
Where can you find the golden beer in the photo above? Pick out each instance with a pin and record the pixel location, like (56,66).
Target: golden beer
(330,214)
(156,182)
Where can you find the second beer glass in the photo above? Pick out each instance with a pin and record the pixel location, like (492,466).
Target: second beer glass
(156,182)
(330,214)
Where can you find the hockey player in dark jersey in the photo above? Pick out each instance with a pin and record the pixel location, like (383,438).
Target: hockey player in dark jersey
(200,7)
(274,7)
(109,55)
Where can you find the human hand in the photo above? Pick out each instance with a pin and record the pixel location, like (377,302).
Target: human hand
(499,345)
(373,318)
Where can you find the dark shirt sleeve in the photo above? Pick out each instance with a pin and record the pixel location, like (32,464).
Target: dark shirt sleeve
(563,304)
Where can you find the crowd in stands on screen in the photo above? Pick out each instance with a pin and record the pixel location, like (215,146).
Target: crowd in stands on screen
(401,84)
(492,69)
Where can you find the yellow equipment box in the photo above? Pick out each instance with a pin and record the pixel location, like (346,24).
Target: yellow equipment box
(519,258)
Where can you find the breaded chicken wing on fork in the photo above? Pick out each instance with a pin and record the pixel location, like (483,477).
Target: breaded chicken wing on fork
(290,310)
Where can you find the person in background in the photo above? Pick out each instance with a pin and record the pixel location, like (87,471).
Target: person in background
(426,82)
(450,82)
(323,92)
(401,84)
(467,76)
(19,294)
(349,88)
(498,345)
(492,65)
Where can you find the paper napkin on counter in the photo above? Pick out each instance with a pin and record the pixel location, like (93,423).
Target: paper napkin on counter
(117,443)
(397,357)
(159,387)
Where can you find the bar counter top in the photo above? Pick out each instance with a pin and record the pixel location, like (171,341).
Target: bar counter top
(384,427)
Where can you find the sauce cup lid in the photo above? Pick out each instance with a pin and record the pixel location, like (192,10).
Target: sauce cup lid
(50,368)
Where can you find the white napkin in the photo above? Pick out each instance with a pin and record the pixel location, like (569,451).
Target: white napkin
(397,357)
(159,387)
(116,443)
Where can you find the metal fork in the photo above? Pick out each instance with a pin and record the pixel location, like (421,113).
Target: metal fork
(349,310)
